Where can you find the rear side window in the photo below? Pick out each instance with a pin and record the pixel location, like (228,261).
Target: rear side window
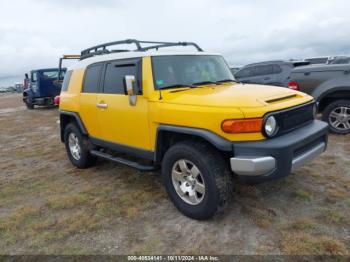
(277,69)
(263,70)
(92,79)
(244,72)
(66,81)
(114,76)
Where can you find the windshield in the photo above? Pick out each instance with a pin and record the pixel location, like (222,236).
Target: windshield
(51,75)
(187,70)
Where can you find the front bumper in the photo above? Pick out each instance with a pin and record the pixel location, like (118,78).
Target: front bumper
(42,101)
(277,157)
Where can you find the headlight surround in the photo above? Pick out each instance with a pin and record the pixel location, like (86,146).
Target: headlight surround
(270,126)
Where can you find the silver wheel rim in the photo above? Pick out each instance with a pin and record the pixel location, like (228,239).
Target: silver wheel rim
(188,182)
(74,146)
(339,118)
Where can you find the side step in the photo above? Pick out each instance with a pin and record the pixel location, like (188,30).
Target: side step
(122,161)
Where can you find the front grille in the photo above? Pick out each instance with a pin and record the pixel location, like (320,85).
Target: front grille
(293,118)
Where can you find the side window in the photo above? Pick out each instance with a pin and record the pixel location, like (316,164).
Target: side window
(92,79)
(66,80)
(34,77)
(114,76)
(244,72)
(277,69)
(263,70)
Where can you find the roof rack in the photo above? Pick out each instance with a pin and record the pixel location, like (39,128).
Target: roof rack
(102,49)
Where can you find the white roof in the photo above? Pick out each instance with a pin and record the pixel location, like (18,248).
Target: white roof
(125,55)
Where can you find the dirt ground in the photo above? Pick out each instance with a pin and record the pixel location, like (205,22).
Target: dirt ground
(49,207)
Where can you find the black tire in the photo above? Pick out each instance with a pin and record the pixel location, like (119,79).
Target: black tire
(215,171)
(86,159)
(29,105)
(327,112)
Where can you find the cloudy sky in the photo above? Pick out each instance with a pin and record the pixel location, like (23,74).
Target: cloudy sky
(34,33)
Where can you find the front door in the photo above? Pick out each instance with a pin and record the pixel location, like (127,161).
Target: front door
(121,123)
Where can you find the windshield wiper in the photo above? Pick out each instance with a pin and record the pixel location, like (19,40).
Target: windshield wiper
(204,83)
(226,80)
(176,86)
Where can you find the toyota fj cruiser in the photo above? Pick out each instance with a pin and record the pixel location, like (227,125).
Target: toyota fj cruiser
(184,112)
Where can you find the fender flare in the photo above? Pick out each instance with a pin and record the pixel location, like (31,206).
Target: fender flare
(77,120)
(217,141)
(323,91)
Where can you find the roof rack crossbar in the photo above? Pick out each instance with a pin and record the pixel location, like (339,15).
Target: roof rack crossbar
(102,49)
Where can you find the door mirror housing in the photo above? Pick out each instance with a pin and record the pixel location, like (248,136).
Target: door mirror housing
(129,84)
(129,81)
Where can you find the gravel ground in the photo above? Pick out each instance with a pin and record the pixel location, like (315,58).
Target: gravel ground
(49,207)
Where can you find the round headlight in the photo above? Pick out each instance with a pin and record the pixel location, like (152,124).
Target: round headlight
(271,126)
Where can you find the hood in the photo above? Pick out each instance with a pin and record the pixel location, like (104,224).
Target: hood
(320,68)
(229,95)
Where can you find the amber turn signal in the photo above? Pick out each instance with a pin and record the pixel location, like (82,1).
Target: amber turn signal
(252,125)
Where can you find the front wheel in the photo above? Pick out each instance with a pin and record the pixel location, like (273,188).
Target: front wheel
(29,105)
(337,115)
(77,147)
(197,179)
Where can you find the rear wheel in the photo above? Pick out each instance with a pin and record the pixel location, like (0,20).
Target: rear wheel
(77,147)
(197,179)
(337,115)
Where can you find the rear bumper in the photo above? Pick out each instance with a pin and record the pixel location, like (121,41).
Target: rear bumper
(273,158)
(41,101)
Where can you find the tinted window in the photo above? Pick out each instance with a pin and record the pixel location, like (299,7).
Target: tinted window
(244,72)
(114,77)
(263,70)
(66,80)
(277,69)
(92,79)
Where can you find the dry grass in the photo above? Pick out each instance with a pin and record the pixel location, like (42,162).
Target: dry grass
(306,244)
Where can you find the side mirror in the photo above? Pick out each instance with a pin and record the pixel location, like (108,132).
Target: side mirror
(129,87)
(26,75)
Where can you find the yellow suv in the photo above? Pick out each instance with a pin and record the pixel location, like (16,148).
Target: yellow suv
(184,113)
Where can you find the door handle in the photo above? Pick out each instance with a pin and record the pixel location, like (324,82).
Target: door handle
(101,105)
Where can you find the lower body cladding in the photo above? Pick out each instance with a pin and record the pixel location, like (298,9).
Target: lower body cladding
(256,162)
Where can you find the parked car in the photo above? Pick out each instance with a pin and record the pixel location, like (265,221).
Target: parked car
(41,87)
(184,113)
(268,73)
(339,60)
(330,87)
(234,69)
(317,60)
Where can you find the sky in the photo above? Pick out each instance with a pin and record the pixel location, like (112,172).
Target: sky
(35,33)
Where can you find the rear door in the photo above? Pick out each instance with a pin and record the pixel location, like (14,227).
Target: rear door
(88,98)
(121,123)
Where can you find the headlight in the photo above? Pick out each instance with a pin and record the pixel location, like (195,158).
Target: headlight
(270,126)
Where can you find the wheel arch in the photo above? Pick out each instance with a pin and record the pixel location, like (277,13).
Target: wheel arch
(168,135)
(69,117)
(333,94)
